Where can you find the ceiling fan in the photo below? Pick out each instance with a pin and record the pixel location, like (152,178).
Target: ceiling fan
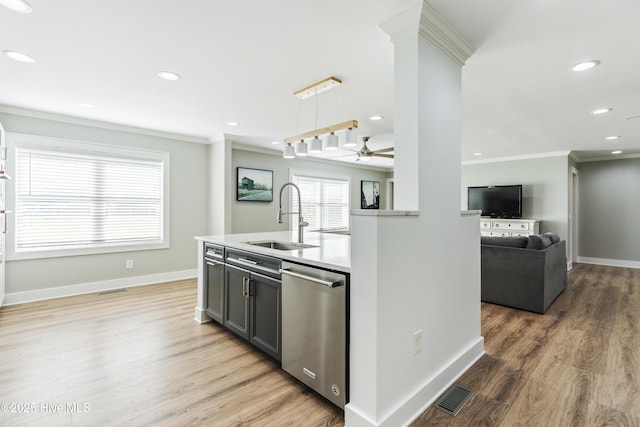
(366,154)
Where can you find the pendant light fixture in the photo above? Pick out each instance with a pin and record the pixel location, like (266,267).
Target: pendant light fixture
(332,142)
(350,138)
(315,143)
(289,152)
(301,148)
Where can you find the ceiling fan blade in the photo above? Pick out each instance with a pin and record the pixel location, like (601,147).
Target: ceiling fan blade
(388,156)
(383,150)
(634,117)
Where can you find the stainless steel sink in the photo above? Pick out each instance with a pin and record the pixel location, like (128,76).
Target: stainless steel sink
(281,246)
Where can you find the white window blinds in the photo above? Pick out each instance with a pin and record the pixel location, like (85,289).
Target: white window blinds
(325,201)
(72,200)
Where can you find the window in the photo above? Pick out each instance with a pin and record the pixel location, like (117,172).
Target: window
(325,200)
(86,198)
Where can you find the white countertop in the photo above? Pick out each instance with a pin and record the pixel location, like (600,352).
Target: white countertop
(333,251)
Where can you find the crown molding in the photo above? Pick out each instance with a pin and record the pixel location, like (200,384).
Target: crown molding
(514,158)
(98,124)
(421,18)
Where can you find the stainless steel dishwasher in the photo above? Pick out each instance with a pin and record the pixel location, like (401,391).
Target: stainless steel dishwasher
(314,330)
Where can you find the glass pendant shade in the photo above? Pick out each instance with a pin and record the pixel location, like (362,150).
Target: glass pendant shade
(350,138)
(301,148)
(315,145)
(288,152)
(332,141)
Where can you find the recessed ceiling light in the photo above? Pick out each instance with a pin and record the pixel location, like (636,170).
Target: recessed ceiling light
(233,123)
(611,138)
(17,5)
(477,154)
(616,152)
(19,56)
(168,75)
(275,142)
(376,118)
(601,111)
(585,65)
(85,105)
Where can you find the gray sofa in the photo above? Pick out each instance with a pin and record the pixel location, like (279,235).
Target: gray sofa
(523,272)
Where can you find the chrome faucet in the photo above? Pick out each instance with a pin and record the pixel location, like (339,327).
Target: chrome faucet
(301,222)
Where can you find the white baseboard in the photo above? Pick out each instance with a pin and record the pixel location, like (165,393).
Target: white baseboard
(87,288)
(610,262)
(415,405)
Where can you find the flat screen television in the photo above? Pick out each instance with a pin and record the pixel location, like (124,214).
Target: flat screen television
(496,201)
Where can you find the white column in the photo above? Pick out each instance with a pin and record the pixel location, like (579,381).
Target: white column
(220,186)
(417,272)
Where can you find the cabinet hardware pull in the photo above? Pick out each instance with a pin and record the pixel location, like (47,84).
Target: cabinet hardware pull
(311,279)
(248,261)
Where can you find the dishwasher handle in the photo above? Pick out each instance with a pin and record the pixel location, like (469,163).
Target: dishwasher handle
(310,278)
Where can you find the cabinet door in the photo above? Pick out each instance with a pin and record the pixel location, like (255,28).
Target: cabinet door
(214,279)
(236,300)
(266,313)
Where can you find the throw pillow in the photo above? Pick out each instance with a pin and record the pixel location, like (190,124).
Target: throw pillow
(553,236)
(538,241)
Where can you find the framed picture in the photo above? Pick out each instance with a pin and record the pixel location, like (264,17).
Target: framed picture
(369,194)
(254,185)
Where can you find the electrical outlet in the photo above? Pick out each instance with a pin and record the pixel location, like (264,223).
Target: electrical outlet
(129,264)
(417,341)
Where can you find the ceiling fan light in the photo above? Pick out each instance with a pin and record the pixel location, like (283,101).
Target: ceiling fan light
(365,158)
(301,148)
(315,145)
(332,141)
(350,138)
(289,152)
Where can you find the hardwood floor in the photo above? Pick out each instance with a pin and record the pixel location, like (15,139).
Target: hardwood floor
(576,365)
(137,358)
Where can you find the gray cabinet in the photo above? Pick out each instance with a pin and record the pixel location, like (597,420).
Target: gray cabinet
(214,278)
(236,300)
(252,299)
(265,314)
(214,281)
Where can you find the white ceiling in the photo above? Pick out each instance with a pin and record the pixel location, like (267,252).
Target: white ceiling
(242,60)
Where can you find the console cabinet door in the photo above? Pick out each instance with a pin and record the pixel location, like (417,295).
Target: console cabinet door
(214,278)
(236,300)
(265,314)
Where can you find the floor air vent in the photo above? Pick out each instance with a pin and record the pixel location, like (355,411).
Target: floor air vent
(112,291)
(453,400)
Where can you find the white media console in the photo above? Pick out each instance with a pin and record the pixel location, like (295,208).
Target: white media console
(508,227)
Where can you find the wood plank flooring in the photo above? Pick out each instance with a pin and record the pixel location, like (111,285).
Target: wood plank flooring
(576,365)
(138,358)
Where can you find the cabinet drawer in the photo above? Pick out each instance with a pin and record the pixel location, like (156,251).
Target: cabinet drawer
(254,262)
(485,224)
(511,225)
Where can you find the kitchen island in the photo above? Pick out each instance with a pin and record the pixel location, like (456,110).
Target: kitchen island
(288,299)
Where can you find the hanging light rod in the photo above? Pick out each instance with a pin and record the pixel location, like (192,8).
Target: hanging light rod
(316,88)
(349,124)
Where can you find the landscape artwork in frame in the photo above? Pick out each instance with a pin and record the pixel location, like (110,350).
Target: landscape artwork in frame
(369,194)
(255,185)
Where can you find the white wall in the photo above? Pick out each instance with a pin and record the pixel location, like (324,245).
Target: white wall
(261,216)
(188,212)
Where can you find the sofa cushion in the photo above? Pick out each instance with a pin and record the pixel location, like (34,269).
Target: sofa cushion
(553,236)
(508,241)
(538,241)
